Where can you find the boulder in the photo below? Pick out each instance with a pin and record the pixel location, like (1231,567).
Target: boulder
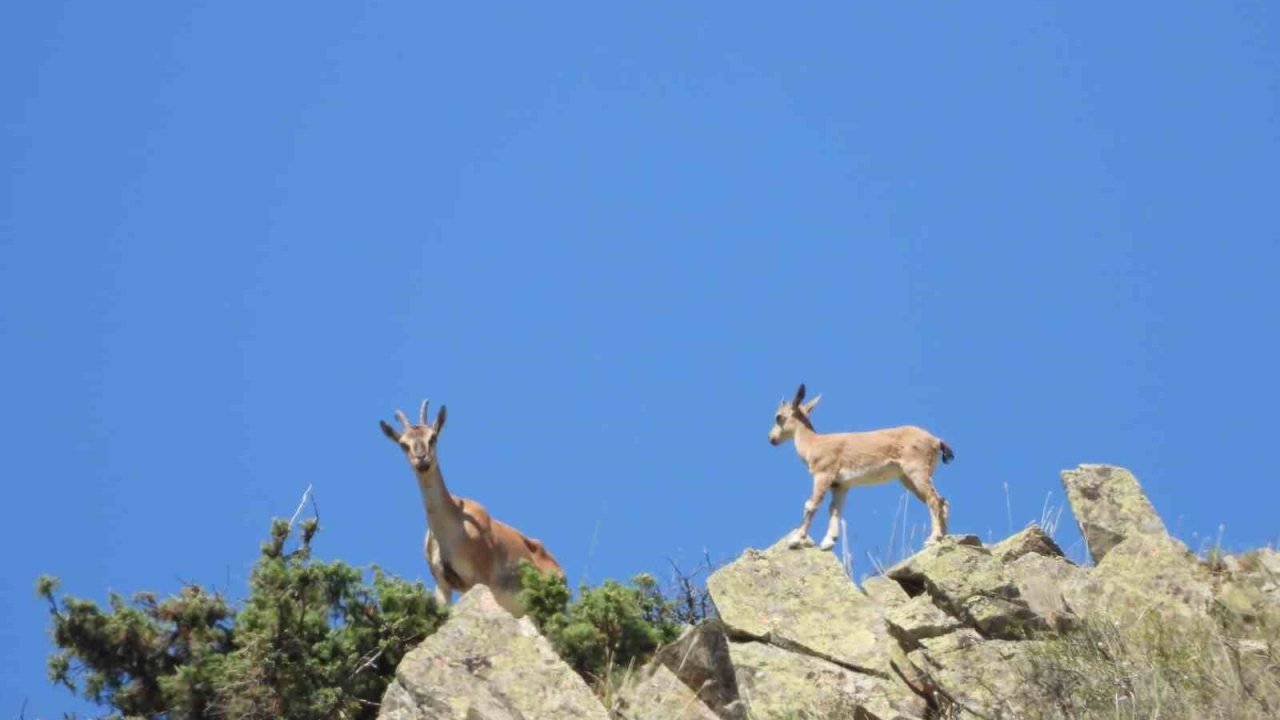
(1110,507)
(801,600)
(918,618)
(1139,569)
(970,584)
(780,684)
(884,593)
(1147,574)
(659,696)
(484,664)
(700,659)
(1031,539)
(1045,582)
(978,677)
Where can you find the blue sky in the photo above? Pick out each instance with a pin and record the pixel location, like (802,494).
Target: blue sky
(236,235)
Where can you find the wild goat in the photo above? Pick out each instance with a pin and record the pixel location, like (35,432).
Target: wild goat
(464,545)
(839,461)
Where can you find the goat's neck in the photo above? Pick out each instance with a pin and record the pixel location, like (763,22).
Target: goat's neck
(804,440)
(437,503)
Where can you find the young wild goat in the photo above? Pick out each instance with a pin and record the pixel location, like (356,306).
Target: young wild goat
(464,545)
(839,461)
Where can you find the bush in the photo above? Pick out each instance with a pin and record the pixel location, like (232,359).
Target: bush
(608,627)
(312,640)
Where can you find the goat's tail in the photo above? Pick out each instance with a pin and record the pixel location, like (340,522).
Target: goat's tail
(947,454)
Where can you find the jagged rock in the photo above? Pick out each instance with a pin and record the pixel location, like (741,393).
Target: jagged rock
(1045,582)
(700,659)
(919,618)
(1139,569)
(969,540)
(885,593)
(1147,574)
(777,684)
(984,678)
(471,700)
(1031,539)
(801,600)
(660,696)
(1110,507)
(483,664)
(970,584)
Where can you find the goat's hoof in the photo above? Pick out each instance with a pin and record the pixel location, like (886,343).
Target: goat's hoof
(801,542)
(827,544)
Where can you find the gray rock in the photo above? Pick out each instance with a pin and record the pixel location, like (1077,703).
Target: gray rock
(919,618)
(483,664)
(802,600)
(780,684)
(1045,582)
(978,677)
(1031,539)
(1110,507)
(1148,574)
(700,659)
(970,584)
(884,592)
(660,696)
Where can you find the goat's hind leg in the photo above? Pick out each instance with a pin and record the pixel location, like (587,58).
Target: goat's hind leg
(920,482)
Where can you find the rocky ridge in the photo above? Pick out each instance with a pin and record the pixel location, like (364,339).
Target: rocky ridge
(946,633)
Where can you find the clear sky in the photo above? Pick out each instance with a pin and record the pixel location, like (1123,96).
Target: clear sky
(233,236)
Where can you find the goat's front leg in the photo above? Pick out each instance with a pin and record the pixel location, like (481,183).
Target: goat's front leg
(833,525)
(800,537)
(435,563)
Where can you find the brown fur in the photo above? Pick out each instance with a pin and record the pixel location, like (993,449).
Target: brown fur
(465,546)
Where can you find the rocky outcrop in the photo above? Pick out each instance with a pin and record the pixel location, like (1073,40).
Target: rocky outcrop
(956,630)
(660,696)
(1031,540)
(700,659)
(801,600)
(976,677)
(958,622)
(803,636)
(1110,507)
(484,664)
(778,683)
(970,584)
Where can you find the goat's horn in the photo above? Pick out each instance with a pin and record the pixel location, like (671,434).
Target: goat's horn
(422,413)
(404,421)
(799,395)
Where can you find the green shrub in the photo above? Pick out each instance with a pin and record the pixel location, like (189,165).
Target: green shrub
(607,627)
(316,640)
(312,640)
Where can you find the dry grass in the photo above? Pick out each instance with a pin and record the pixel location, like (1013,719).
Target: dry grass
(1219,667)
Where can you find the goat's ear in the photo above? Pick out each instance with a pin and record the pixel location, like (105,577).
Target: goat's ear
(440,416)
(809,406)
(389,432)
(799,396)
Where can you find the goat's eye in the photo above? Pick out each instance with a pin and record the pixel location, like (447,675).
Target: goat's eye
(779,419)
